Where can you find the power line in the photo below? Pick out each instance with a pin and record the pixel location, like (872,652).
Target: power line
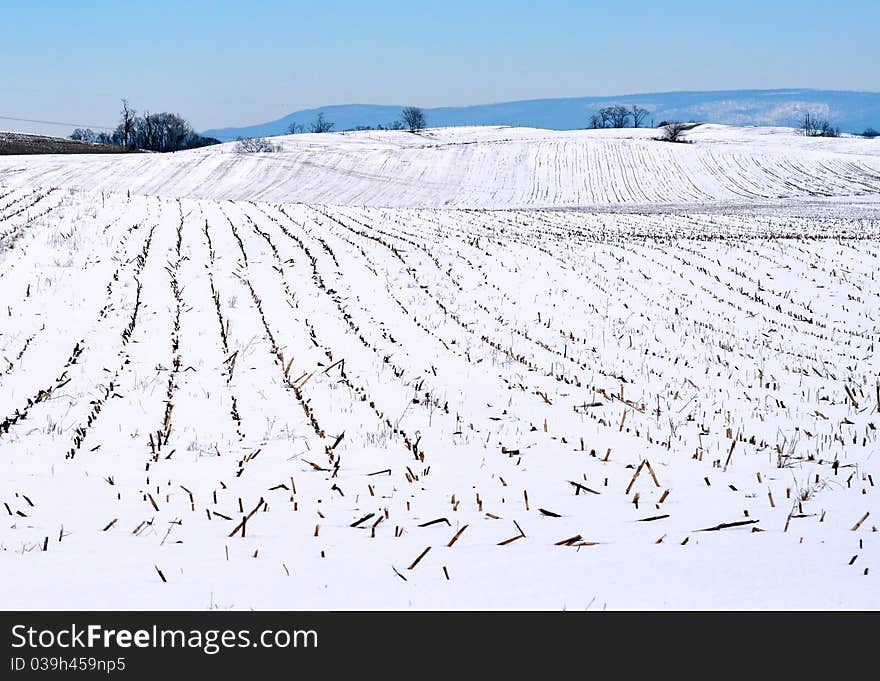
(70,125)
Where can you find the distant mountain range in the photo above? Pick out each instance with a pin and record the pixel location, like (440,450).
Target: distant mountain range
(851,111)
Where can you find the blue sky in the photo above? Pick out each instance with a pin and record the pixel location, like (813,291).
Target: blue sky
(229,62)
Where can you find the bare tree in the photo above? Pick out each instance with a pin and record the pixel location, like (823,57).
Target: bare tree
(295,128)
(126,123)
(255,145)
(149,131)
(162,132)
(824,129)
(674,131)
(321,124)
(413,118)
(614,116)
(807,124)
(638,115)
(84,135)
(146,132)
(870,133)
(816,126)
(176,130)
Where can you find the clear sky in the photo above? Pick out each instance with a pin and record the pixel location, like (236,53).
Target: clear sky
(230,62)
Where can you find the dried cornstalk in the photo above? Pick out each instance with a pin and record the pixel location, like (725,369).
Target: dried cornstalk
(861,520)
(634,477)
(416,561)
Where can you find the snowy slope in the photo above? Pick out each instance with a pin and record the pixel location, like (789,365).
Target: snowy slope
(488,168)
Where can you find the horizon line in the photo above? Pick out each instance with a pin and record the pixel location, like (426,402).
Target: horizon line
(325,107)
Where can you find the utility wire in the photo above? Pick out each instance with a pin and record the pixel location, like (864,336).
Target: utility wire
(71,125)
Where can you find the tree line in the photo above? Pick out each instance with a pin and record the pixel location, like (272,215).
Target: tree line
(166,131)
(162,132)
(815,125)
(619,116)
(411,118)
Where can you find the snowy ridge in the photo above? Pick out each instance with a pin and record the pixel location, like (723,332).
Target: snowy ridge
(488,168)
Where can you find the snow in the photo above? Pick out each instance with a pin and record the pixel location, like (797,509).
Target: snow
(578,395)
(487,168)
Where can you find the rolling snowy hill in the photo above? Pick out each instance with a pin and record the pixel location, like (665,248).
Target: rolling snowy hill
(492,167)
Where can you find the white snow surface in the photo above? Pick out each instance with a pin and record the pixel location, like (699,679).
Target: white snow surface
(660,391)
(493,167)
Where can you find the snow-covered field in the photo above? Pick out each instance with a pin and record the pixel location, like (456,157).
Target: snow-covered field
(483,368)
